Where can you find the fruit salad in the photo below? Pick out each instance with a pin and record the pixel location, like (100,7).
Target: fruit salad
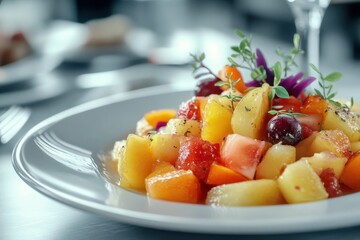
(263,141)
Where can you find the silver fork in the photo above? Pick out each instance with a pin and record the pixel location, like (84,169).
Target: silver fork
(71,156)
(11,121)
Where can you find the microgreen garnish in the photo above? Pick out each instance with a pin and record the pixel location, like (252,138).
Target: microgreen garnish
(289,113)
(277,90)
(245,52)
(289,60)
(230,84)
(326,85)
(199,64)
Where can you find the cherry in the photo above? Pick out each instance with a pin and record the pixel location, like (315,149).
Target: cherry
(284,128)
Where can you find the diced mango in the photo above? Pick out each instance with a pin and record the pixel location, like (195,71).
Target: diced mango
(355,146)
(163,115)
(178,186)
(300,183)
(216,114)
(247,193)
(219,175)
(136,164)
(275,161)
(350,175)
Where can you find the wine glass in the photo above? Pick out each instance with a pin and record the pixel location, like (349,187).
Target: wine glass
(308,16)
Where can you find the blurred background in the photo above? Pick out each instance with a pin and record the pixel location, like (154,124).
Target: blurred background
(90,36)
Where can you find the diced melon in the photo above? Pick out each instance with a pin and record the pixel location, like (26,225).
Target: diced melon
(300,183)
(248,193)
(275,160)
(178,185)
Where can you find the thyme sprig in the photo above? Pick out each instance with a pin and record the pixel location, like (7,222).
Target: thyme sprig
(289,59)
(199,64)
(230,84)
(282,111)
(326,84)
(278,90)
(247,57)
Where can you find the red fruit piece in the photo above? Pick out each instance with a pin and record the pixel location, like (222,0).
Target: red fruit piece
(331,183)
(288,104)
(189,110)
(207,87)
(197,155)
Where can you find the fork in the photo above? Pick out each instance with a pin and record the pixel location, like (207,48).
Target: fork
(11,121)
(67,154)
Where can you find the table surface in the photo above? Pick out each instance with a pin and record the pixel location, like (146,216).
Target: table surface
(43,218)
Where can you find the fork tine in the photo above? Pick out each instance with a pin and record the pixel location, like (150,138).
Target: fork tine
(12,124)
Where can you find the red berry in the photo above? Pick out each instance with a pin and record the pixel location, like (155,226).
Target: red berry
(189,110)
(331,183)
(197,155)
(207,87)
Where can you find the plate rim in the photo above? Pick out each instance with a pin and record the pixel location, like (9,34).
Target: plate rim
(154,220)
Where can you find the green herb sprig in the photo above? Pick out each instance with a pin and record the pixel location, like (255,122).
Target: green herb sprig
(289,59)
(247,57)
(289,113)
(230,84)
(278,90)
(199,64)
(326,84)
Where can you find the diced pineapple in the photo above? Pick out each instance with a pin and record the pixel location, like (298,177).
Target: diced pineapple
(249,114)
(275,161)
(136,163)
(355,146)
(214,114)
(334,141)
(165,147)
(302,148)
(300,183)
(321,161)
(247,193)
(344,120)
(118,150)
(183,127)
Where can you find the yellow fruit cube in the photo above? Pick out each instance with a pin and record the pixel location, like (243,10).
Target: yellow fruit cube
(165,147)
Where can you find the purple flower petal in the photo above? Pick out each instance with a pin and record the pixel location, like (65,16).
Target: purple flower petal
(289,82)
(260,61)
(160,125)
(300,87)
(253,83)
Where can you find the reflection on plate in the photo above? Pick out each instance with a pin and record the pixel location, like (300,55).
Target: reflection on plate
(26,69)
(93,128)
(38,89)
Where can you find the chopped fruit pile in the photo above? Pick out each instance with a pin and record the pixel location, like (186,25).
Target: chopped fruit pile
(235,143)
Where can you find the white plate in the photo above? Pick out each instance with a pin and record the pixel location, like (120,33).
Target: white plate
(41,88)
(96,125)
(26,69)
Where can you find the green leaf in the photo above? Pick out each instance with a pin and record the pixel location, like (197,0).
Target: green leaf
(243,45)
(236,49)
(333,77)
(296,40)
(351,101)
(233,63)
(277,73)
(273,112)
(281,92)
(277,107)
(239,33)
(318,93)
(202,57)
(279,52)
(332,95)
(315,69)
(272,94)
(294,51)
(220,83)
(254,75)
